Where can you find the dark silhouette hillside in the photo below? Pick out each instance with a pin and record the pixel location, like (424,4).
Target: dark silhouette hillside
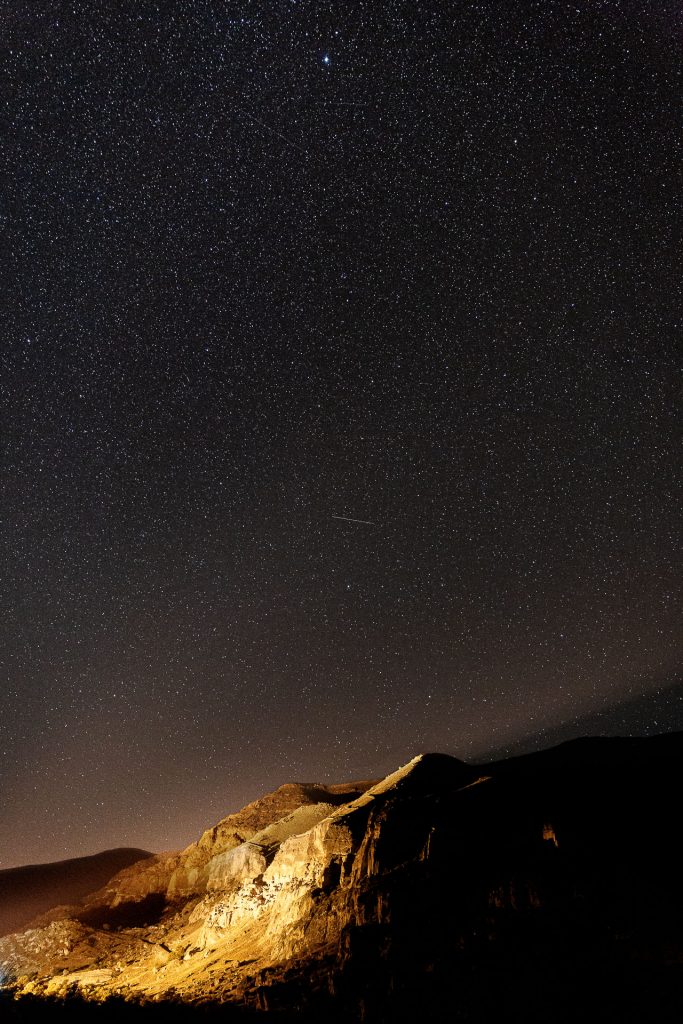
(28,891)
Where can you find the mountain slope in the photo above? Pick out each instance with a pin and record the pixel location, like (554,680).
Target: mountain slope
(28,891)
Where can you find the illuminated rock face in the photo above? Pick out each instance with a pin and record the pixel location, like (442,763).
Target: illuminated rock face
(403,882)
(192,874)
(241,864)
(549,834)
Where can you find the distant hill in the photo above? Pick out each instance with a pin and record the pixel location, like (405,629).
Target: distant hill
(542,887)
(28,891)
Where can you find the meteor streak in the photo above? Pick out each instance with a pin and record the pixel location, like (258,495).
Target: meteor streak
(347,519)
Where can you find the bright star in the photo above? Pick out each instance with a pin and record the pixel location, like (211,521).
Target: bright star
(327,59)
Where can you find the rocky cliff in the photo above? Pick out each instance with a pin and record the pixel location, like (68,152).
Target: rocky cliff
(432,888)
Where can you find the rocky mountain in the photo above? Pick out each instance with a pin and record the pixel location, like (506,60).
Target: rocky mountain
(546,885)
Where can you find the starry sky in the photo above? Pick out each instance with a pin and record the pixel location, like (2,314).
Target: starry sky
(339,398)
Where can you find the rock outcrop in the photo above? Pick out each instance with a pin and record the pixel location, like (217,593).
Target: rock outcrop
(192,873)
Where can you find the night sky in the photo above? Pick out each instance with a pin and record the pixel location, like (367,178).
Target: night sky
(340,406)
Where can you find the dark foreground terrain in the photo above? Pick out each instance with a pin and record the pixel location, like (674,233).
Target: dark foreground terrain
(546,887)
(580,992)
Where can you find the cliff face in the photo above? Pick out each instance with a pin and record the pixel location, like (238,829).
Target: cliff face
(193,872)
(372,900)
